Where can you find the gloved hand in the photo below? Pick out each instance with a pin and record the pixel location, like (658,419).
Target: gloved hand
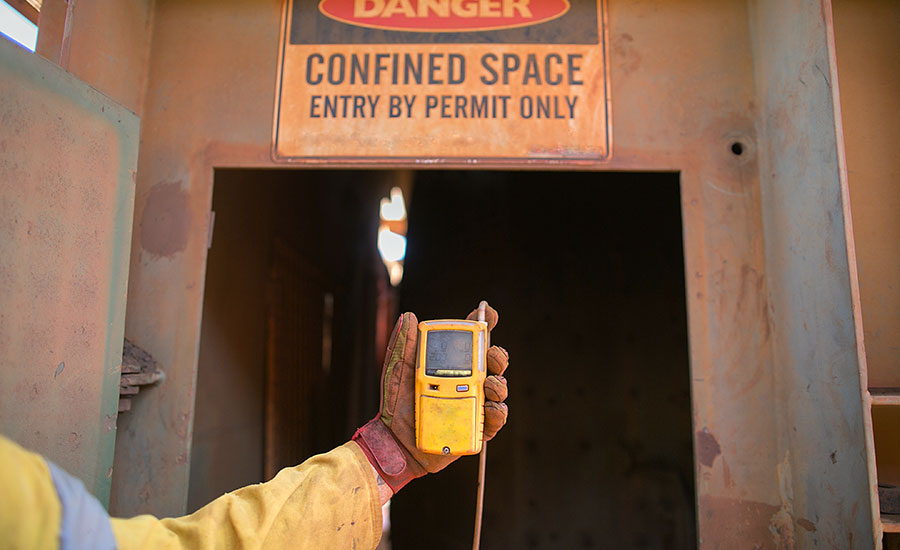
(389,439)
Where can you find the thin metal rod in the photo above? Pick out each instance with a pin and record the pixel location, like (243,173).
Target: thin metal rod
(479,500)
(482,458)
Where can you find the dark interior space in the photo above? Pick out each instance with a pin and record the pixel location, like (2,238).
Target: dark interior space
(287,354)
(587,272)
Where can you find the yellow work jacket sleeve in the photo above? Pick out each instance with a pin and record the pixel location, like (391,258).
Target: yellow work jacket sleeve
(329,501)
(30,512)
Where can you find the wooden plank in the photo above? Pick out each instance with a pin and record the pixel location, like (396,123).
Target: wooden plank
(885,396)
(890,523)
(130,369)
(141,379)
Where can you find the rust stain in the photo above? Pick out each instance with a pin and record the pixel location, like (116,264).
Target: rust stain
(625,54)
(736,523)
(806,524)
(726,475)
(707,447)
(166,220)
(145,493)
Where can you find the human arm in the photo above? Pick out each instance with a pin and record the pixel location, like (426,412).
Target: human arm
(328,509)
(332,500)
(329,501)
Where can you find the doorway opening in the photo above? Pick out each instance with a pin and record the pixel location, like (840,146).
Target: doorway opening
(587,272)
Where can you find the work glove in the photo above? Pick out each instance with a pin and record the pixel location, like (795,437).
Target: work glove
(389,439)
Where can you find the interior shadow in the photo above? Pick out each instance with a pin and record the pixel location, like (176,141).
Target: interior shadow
(587,272)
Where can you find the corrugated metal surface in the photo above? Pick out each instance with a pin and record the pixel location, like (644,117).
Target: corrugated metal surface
(67,166)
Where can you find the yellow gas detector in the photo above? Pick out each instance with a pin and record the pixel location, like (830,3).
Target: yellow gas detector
(450,371)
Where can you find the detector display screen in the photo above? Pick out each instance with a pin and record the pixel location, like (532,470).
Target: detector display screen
(448,353)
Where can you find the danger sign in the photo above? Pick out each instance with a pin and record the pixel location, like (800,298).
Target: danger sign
(443,79)
(443,15)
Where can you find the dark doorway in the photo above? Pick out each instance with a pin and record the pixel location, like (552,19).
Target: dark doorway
(287,360)
(587,272)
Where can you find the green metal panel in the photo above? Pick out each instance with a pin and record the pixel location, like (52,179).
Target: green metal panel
(68,156)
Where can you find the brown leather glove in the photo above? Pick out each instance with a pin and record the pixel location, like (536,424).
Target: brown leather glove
(389,439)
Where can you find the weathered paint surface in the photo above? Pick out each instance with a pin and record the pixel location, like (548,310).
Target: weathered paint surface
(67,157)
(767,266)
(541,93)
(824,438)
(120,30)
(197,115)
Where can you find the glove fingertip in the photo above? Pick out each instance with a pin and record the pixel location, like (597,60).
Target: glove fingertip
(498,360)
(495,417)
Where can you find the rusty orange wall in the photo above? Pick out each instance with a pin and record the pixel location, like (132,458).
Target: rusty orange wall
(867,35)
(208,103)
(868,55)
(107,44)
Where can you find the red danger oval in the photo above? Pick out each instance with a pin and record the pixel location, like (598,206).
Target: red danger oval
(443,15)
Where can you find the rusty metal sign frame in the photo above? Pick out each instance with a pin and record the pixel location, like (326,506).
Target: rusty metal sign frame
(537,163)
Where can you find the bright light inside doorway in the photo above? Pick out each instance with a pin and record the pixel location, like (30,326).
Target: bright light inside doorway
(391,245)
(392,234)
(393,209)
(396,273)
(16,27)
